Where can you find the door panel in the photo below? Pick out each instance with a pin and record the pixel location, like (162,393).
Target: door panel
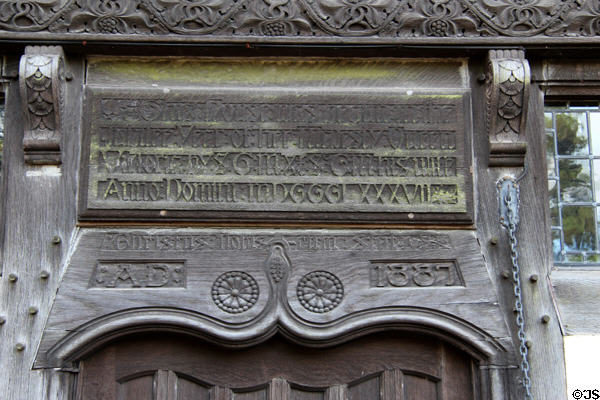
(304,394)
(139,387)
(188,389)
(382,366)
(365,389)
(420,388)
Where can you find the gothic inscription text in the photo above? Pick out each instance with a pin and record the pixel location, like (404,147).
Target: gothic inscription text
(234,151)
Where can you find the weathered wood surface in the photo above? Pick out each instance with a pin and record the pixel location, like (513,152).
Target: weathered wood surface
(366,278)
(385,366)
(39,205)
(321,140)
(546,353)
(392,22)
(576,292)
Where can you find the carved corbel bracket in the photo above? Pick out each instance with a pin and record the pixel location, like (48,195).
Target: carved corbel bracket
(41,82)
(507,93)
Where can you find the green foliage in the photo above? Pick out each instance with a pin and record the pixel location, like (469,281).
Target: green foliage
(567,140)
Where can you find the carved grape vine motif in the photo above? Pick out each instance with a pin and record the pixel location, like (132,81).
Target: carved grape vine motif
(380,18)
(235,292)
(320,291)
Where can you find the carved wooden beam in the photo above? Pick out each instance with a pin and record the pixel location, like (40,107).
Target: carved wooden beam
(507,93)
(41,81)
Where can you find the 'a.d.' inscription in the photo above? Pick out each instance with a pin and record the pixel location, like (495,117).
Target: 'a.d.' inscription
(300,154)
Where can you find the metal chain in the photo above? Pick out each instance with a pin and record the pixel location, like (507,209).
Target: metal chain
(509,191)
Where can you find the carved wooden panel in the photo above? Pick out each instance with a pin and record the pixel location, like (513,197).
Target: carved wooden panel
(251,19)
(307,140)
(238,285)
(389,366)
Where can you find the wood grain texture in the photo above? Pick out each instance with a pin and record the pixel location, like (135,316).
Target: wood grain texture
(40,203)
(469,305)
(353,371)
(546,354)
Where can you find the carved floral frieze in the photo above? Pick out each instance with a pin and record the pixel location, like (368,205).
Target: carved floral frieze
(289,18)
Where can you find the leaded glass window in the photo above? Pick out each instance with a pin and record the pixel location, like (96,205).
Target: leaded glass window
(573,156)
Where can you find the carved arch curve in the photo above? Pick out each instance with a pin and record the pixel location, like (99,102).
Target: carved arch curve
(94,334)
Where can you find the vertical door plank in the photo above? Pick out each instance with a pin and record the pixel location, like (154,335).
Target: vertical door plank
(161,384)
(338,392)
(279,389)
(221,393)
(392,382)
(456,375)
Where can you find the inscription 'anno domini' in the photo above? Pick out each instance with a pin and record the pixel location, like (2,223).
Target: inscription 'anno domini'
(138,274)
(300,153)
(226,110)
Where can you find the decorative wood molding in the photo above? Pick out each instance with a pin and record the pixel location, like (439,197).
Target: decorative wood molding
(507,94)
(41,77)
(243,285)
(377,19)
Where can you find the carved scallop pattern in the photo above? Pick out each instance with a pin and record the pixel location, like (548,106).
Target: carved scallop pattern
(320,291)
(235,292)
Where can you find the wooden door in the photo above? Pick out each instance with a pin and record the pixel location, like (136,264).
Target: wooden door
(381,366)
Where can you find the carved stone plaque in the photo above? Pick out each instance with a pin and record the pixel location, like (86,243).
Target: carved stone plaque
(338,153)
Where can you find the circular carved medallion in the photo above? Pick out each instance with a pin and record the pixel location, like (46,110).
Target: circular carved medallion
(320,291)
(235,292)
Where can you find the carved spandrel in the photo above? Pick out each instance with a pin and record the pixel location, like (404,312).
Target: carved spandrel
(507,95)
(41,81)
(215,152)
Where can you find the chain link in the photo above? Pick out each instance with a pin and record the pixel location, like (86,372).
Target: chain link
(510,199)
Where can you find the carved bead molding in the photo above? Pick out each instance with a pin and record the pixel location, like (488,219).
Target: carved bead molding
(507,92)
(41,79)
(378,19)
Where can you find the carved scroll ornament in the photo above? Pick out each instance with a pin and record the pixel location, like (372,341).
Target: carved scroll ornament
(391,19)
(40,79)
(507,92)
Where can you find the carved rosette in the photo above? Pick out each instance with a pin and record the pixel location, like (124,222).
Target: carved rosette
(507,93)
(41,82)
(320,291)
(235,292)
